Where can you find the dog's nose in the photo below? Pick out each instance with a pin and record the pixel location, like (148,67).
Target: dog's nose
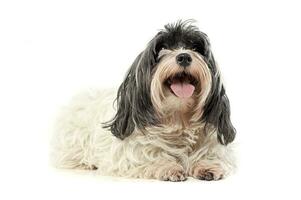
(184,59)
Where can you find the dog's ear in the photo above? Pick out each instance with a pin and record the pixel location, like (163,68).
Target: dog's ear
(134,106)
(217,106)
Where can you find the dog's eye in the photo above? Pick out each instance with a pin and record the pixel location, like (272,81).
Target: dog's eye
(198,49)
(194,47)
(162,47)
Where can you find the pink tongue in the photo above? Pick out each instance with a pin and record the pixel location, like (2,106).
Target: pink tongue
(182,90)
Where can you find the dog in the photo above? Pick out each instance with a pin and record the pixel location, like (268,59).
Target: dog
(171,121)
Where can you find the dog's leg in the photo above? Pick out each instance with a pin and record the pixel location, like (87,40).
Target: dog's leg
(161,169)
(133,159)
(212,163)
(166,171)
(207,170)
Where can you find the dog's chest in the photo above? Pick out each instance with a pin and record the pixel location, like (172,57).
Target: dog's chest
(179,141)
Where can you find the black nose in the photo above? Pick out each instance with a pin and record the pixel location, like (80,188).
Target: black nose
(184,59)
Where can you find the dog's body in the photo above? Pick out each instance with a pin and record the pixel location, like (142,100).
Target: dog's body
(171,121)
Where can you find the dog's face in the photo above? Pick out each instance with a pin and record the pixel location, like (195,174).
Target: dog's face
(174,80)
(181,79)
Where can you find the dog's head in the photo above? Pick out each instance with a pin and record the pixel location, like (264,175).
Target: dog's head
(174,80)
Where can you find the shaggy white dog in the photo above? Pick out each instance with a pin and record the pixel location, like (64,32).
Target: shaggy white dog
(171,121)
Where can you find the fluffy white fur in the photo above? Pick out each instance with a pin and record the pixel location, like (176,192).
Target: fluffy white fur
(165,153)
(154,132)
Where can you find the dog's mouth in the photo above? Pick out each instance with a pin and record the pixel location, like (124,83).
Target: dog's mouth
(182,84)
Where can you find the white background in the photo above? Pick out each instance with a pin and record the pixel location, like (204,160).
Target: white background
(51,49)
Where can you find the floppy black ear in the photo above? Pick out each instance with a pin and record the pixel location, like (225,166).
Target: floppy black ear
(217,107)
(134,106)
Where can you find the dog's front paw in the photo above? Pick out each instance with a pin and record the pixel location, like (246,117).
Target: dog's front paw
(207,172)
(175,174)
